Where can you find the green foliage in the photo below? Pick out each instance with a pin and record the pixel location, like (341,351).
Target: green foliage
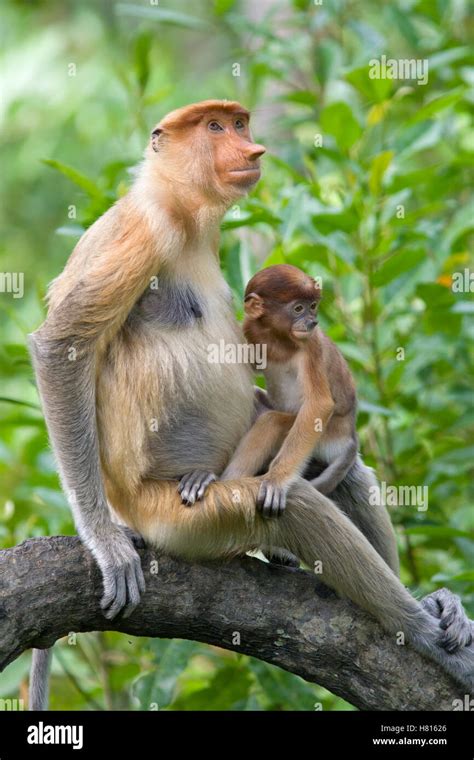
(365,185)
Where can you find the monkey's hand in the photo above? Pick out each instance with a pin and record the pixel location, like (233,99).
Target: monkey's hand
(121,570)
(271,498)
(193,485)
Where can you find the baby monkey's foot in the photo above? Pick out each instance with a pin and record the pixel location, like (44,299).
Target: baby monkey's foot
(192,486)
(271,499)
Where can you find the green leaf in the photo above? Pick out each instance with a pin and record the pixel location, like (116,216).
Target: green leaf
(461,222)
(5,400)
(142,49)
(158,686)
(366,406)
(276,257)
(162,16)
(338,120)
(259,216)
(378,168)
(441,531)
(436,105)
(376,90)
(283,690)
(221,7)
(467,575)
(228,689)
(77,178)
(398,264)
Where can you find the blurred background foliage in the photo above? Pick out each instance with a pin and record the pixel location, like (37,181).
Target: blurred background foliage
(365,184)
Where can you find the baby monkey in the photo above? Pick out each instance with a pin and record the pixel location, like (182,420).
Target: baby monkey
(311,394)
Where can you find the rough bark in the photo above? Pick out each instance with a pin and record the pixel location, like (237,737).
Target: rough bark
(50,586)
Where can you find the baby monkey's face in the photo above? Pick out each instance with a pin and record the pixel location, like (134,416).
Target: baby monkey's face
(300,318)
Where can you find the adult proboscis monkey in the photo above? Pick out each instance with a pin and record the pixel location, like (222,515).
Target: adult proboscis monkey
(132,403)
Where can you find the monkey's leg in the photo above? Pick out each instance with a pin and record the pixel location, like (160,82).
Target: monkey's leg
(358,496)
(227,523)
(259,445)
(336,470)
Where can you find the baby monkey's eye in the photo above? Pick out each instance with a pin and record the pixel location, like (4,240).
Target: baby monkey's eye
(313,306)
(299,308)
(214,126)
(239,124)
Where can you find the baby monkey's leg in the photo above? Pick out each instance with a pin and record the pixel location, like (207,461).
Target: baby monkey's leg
(336,470)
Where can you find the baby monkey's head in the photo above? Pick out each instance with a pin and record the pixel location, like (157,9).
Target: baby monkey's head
(282,300)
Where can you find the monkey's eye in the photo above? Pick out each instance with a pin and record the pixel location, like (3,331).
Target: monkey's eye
(214,126)
(298,308)
(239,124)
(313,306)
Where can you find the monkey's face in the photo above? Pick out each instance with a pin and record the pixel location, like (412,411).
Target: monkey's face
(207,147)
(236,157)
(299,317)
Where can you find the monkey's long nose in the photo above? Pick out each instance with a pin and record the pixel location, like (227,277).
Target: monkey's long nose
(255,151)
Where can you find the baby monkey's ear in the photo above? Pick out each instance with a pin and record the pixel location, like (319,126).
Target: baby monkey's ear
(318,287)
(253,305)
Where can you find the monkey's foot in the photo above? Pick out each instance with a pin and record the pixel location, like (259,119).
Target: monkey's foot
(453,621)
(122,574)
(192,486)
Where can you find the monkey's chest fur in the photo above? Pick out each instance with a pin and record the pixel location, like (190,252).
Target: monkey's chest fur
(169,304)
(175,410)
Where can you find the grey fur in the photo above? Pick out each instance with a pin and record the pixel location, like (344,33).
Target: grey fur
(171,304)
(67,390)
(39,680)
(336,470)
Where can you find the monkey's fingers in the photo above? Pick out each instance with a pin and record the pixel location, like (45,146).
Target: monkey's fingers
(193,485)
(210,478)
(271,499)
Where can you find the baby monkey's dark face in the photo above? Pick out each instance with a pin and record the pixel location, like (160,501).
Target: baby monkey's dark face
(299,318)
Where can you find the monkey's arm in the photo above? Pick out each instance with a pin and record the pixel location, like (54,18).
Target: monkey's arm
(259,445)
(65,351)
(336,470)
(311,421)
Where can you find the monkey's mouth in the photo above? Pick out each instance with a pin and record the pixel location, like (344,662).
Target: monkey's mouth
(302,334)
(248,175)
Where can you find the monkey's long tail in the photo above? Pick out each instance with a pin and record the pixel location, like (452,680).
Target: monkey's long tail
(39,679)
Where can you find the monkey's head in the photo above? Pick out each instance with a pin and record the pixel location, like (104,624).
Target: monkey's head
(284,301)
(208,148)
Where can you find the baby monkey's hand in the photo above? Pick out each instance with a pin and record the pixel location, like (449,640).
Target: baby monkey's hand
(271,499)
(192,486)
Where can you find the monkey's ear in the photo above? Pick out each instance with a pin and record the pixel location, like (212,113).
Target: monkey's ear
(253,306)
(155,136)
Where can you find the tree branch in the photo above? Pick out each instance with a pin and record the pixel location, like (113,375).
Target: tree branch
(51,586)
